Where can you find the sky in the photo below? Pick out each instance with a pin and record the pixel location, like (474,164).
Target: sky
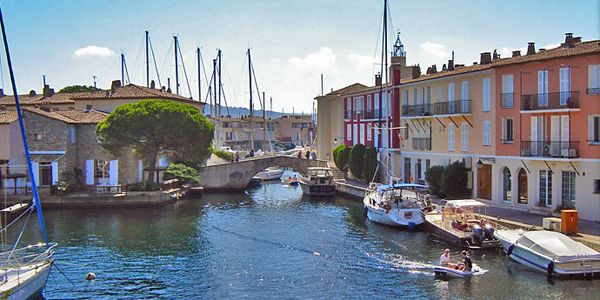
(292,42)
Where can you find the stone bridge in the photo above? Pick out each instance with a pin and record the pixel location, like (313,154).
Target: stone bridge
(237,175)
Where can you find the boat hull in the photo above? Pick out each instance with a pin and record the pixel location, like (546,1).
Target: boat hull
(405,218)
(270,174)
(318,190)
(454,238)
(445,272)
(31,285)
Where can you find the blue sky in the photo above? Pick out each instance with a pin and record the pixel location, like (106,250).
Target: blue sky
(292,41)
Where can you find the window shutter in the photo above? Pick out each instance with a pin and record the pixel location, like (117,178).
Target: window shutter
(89,172)
(465,137)
(140,170)
(54,167)
(113,167)
(451,137)
(35,169)
(594,76)
(504,129)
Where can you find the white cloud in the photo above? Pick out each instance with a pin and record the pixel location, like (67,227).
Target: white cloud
(435,51)
(91,51)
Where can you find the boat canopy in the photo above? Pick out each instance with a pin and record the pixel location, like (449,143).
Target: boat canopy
(556,245)
(398,186)
(463,203)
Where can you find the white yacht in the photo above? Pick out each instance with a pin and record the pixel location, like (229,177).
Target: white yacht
(272,173)
(318,182)
(397,204)
(551,252)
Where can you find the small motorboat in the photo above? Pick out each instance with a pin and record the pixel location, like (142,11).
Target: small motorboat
(449,272)
(292,181)
(318,182)
(398,204)
(550,252)
(272,173)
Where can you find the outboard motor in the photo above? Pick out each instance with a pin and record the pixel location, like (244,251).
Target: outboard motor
(489,232)
(478,234)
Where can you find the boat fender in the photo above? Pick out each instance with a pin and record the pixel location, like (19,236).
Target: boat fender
(510,250)
(550,268)
(90,276)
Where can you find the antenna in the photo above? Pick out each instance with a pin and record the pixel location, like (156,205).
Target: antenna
(94,77)
(44,79)
(321,84)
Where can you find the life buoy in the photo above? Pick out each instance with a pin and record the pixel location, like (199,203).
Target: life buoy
(550,268)
(510,250)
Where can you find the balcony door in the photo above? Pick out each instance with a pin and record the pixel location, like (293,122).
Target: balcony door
(543,88)
(537,135)
(559,136)
(565,85)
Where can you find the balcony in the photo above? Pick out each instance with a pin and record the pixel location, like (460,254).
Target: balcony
(417,110)
(368,114)
(507,100)
(421,143)
(593,91)
(550,149)
(457,107)
(550,101)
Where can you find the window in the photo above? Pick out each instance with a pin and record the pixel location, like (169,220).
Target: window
(369,104)
(229,136)
(542,88)
(507,185)
(545,194)
(428,100)
(102,169)
(362,133)
(596,186)
(405,97)
(507,131)
(348,132)
(507,91)
(369,132)
(451,137)
(565,85)
(464,143)
(594,129)
(72,136)
(418,169)
(487,103)
(415,96)
(464,97)
(487,140)
(88,107)
(522,186)
(593,80)
(427,164)
(407,173)
(568,189)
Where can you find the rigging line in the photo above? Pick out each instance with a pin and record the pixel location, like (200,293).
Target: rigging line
(20,236)
(137,58)
(162,66)
(16,219)
(262,105)
(2,74)
(65,275)
(230,86)
(225,99)
(208,90)
(185,73)
(126,72)
(204,71)
(154,59)
(377,45)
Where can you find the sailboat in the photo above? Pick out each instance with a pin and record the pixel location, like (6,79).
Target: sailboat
(24,271)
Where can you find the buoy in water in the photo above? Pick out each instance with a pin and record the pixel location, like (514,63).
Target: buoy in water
(90,276)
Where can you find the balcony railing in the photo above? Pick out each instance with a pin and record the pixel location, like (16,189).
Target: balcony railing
(421,143)
(508,100)
(456,107)
(550,149)
(368,114)
(348,114)
(416,110)
(593,91)
(550,101)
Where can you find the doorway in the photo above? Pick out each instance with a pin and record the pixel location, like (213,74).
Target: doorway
(484,182)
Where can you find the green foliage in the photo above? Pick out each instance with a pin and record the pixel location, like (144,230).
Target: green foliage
(341,155)
(153,126)
(370,163)
(433,176)
(182,172)
(78,89)
(146,186)
(454,180)
(228,156)
(356,161)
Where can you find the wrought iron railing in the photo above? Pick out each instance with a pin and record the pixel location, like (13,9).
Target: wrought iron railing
(416,110)
(421,143)
(550,149)
(452,107)
(550,101)
(593,91)
(508,100)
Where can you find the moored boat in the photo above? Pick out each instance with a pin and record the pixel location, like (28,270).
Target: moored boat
(457,223)
(449,272)
(272,173)
(397,204)
(318,182)
(551,252)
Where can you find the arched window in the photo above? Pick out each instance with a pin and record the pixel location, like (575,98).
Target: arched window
(506,184)
(522,186)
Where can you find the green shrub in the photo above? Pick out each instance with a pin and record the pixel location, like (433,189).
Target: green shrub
(228,156)
(454,180)
(341,155)
(433,176)
(181,172)
(145,186)
(356,161)
(370,163)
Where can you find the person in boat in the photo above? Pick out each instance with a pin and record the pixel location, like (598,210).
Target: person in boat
(307,155)
(467,264)
(445,258)
(237,156)
(295,178)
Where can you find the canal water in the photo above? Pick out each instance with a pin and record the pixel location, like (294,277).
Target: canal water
(270,243)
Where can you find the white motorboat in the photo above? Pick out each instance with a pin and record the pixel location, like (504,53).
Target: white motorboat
(551,252)
(398,204)
(272,173)
(448,272)
(318,182)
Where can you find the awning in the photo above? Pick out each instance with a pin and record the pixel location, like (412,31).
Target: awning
(465,203)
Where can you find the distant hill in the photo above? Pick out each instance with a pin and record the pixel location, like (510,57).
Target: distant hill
(243,111)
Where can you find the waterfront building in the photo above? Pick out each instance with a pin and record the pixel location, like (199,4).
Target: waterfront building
(235,132)
(294,130)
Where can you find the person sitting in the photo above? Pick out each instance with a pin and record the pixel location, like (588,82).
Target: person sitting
(445,258)
(467,264)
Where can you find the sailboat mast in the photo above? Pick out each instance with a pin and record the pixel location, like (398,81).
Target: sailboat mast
(251,103)
(147,62)
(199,74)
(264,111)
(219,86)
(214,89)
(122,68)
(384,67)
(176,67)
(34,190)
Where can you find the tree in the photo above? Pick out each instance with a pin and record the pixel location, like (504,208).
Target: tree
(341,155)
(78,89)
(356,162)
(182,172)
(370,163)
(454,180)
(433,176)
(151,127)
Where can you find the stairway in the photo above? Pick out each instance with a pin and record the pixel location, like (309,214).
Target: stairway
(338,175)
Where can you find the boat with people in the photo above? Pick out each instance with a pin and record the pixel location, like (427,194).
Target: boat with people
(447,269)
(318,182)
(551,252)
(292,181)
(24,270)
(396,204)
(458,223)
(271,173)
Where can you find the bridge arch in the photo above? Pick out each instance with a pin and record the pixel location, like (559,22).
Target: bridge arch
(236,176)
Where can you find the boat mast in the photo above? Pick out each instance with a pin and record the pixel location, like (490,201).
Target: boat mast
(264,104)
(147,62)
(176,68)
(199,74)
(219,86)
(34,190)
(251,103)
(384,69)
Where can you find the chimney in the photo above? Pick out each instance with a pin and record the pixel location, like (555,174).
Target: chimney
(569,42)
(495,55)
(428,71)
(416,71)
(152,84)
(530,48)
(444,67)
(378,79)
(2,93)
(162,88)
(168,85)
(115,84)
(485,58)
(48,91)
(450,65)
(433,69)
(32,93)
(577,40)
(516,53)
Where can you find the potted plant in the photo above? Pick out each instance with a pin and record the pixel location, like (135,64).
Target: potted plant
(570,102)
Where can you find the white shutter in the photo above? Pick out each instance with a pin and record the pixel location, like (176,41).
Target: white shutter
(486,133)
(465,137)
(503,129)
(140,170)
(541,88)
(486,95)
(54,167)
(594,76)
(354,134)
(565,84)
(35,169)
(362,134)
(451,137)
(555,135)
(89,172)
(113,169)
(564,130)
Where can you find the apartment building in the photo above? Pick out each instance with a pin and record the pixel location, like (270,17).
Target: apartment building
(294,130)
(236,132)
